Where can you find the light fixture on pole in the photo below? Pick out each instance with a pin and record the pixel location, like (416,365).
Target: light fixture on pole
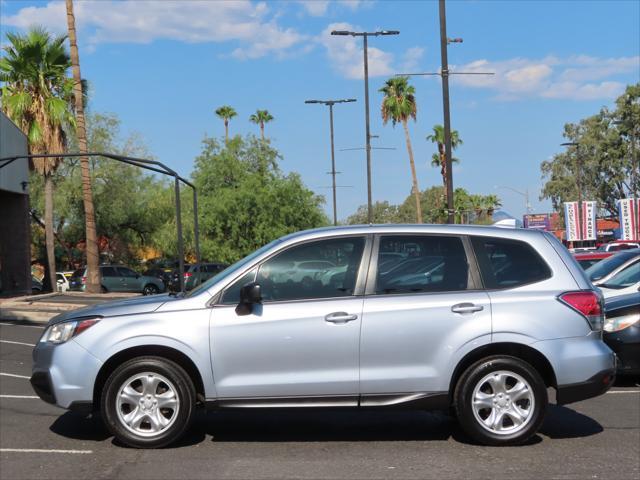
(525,194)
(365,36)
(333,172)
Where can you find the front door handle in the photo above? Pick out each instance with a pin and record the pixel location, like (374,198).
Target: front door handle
(340,317)
(466,308)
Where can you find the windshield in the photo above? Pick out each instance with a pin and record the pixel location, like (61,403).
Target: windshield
(627,277)
(608,265)
(231,269)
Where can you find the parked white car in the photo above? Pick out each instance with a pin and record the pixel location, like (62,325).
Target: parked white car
(62,281)
(624,282)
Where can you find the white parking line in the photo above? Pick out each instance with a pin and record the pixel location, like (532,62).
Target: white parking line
(17,325)
(18,343)
(19,396)
(623,391)
(2,374)
(41,450)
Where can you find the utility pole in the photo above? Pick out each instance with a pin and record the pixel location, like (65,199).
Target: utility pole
(365,36)
(445,104)
(445,73)
(333,172)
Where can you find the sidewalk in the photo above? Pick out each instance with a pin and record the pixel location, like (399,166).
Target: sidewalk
(41,308)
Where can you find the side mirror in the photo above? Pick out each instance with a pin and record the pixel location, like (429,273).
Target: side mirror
(251,294)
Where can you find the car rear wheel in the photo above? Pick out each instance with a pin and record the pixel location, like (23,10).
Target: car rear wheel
(150,289)
(500,400)
(148,402)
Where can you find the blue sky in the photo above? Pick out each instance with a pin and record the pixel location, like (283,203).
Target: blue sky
(164,66)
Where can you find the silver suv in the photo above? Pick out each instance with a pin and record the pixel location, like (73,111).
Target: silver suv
(478,321)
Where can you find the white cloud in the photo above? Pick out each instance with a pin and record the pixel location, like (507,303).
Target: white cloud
(345,53)
(319,8)
(142,21)
(411,59)
(550,77)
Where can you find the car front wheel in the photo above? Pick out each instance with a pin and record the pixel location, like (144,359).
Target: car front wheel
(148,402)
(150,289)
(500,400)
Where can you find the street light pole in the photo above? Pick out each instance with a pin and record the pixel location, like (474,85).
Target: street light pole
(333,172)
(365,36)
(367,131)
(525,194)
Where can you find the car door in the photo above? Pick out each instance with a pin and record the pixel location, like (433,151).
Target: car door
(415,319)
(302,341)
(132,281)
(112,280)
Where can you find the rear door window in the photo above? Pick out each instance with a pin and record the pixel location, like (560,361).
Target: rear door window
(506,263)
(421,263)
(109,272)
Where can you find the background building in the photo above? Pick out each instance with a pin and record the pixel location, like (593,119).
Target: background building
(15,236)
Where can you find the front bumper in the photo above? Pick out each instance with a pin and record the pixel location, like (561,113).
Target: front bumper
(626,344)
(596,385)
(64,374)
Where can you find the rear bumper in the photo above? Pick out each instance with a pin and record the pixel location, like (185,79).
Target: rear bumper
(596,385)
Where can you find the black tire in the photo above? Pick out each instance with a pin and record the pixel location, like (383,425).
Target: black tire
(470,421)
(150,289)
(184,392)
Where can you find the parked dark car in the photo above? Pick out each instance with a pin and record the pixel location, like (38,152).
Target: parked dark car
(75,282)
(174,278)
(622,331)
(199,273)
(36,285)
(588,259)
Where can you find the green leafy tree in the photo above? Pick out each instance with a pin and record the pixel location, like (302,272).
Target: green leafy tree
(246,200)
(399,105)
(260,118)
(133,207)
(439,159)
(601,165)
(383,212)
(37,96)
(226,113)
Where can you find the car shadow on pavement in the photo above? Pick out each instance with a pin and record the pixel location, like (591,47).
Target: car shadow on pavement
(325,425)
(563,422)
(80,427)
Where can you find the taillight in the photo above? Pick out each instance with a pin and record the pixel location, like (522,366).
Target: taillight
(84,280)
(588,304)
(187,274)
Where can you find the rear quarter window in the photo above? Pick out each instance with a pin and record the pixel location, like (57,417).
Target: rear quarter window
(506,263)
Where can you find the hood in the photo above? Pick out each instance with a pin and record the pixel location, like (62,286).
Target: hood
(129,306)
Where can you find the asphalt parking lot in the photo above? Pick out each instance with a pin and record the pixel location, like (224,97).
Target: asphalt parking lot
(598,438)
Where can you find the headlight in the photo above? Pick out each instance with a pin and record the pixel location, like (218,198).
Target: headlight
(61,332)
(620,323)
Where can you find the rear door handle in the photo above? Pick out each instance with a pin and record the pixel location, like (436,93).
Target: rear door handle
(340,317)
(466,308)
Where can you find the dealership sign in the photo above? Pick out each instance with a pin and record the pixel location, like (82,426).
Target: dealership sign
(538,221)
(588,223)
(628,210)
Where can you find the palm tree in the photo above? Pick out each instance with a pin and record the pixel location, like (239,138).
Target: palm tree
(226,113)
(37,96)
(260,118)
(93,271)
(398,105)
(439,159)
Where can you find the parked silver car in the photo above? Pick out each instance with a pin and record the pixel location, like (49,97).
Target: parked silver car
(509,314)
